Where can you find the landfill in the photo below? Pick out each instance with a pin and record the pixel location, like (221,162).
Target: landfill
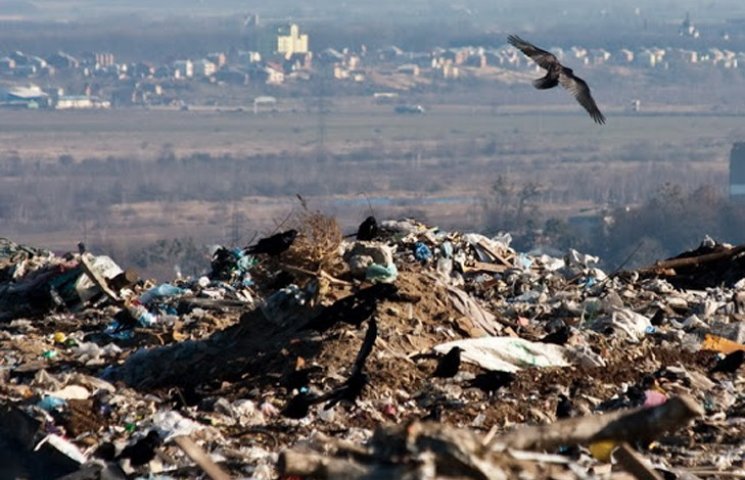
(416,353)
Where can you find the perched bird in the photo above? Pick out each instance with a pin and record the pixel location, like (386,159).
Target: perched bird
(368,229)
(557,74)
(274,245)
(730,363)
(491,381)
(299,377)
(299,405)
(222,264)
(560,336)
(142,451)
(434,414)
(448,365)
(564,408)
(105,451)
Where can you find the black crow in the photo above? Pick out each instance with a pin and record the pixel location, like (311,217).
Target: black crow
(491,381)
(352,388)
(564,408)
(142,451)
(448,365)
(274,245)
(368,229)
(730,363)
(298,405)
(557,74)
(560,336)
(434,414)
(299,377)
(105,451)
(353,309)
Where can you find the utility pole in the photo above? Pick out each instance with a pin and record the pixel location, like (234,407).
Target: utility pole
(321,116)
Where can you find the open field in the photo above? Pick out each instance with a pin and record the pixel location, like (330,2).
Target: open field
(133,176)
(349,125)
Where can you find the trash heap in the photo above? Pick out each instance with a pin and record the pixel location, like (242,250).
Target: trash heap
(410,353)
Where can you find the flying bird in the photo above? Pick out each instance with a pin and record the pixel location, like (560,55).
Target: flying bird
(274,245)
(556,74)
(352,388)
(299,405)
(448,365)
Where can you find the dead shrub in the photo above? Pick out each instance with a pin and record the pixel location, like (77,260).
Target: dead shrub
(317,246)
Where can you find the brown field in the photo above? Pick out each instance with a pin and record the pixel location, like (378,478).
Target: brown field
(438,165)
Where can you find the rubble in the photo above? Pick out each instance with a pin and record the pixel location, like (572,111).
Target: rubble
(319,360)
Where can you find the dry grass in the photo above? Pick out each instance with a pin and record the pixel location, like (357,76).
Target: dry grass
(317,247)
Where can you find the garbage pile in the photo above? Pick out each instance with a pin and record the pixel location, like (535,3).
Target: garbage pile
(404,352)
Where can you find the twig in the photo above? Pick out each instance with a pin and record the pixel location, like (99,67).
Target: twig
(716,473)
(629,257)
(200,457)
(633,463)
(320,273)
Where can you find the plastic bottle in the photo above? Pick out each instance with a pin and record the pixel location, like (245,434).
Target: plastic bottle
(164,290)
(143,316)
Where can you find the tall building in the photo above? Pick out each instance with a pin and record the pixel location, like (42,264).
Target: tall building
(290,41)
(285,40)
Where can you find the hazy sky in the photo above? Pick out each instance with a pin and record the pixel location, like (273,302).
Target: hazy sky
(539,11)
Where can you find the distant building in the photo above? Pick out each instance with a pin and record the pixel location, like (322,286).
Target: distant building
(218,58)
(687,28)
(737,172)
(70,102)
(408,69)
(290,41)
(183,69)
(232,76)
(98,59)
(7,65)
(141,70)
(284,39)
(62,60)
(30,96)
(204,68)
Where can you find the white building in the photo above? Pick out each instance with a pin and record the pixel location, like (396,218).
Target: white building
(183,68)
(204,68)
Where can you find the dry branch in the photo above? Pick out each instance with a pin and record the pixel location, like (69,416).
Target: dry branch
(621,426)
(200,457)
(311,464)
(633,463)
(694,261)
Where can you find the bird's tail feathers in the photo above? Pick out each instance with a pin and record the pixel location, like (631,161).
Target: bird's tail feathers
(545,82)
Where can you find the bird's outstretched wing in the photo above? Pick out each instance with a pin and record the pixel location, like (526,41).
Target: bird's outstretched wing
(581,92)
(543,58)
(367,346)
